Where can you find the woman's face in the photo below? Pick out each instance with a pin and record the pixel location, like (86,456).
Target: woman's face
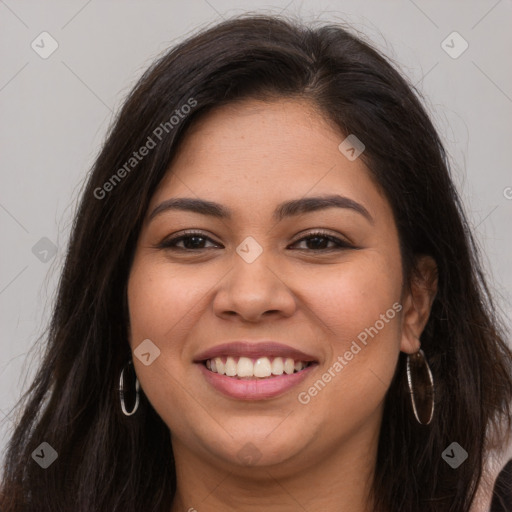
(253,276)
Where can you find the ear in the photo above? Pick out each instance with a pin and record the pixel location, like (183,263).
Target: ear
(417,301)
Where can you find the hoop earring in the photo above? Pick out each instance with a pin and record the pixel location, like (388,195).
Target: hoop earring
(122,392)
(421,387)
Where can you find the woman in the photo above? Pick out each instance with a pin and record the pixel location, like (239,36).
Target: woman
(271,298)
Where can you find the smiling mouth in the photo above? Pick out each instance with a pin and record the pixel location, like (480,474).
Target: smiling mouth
(247,368)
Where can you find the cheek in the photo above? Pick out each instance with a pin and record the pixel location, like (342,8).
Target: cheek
(158,313)
(359,306)
(161,308)
(352,296)
(161,302)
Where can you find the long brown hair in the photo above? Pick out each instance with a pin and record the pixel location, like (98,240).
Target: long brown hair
(107,462)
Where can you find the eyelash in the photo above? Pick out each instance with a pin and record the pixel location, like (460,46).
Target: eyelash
(170,243)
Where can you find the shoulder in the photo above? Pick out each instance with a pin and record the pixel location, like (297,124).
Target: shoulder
(502,492)
(494,493)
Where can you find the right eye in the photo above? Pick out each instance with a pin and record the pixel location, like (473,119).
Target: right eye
(192,241)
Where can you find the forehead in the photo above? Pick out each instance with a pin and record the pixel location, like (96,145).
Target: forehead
(253,153)
(266,129)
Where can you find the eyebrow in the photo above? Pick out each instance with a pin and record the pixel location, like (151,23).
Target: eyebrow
(286,209)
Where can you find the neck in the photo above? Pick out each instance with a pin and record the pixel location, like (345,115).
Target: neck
(330,481)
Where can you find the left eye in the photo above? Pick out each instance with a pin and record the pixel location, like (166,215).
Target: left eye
(320,239)
(195,241)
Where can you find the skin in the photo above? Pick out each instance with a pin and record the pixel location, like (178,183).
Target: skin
(318,456)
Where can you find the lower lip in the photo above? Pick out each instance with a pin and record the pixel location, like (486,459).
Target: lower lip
(255,389)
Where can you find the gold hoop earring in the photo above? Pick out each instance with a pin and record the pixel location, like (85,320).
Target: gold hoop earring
(421,387)
(122,392)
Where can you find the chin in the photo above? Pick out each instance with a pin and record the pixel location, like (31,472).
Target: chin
(260,450)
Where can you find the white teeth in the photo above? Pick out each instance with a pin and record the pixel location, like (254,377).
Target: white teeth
(230,367)
(289,366)
(262,367)
(221,367)
(245,367)
(277,366)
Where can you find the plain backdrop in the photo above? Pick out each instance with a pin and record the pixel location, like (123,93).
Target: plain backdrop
(55,112)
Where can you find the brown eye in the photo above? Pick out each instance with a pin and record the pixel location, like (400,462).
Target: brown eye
(318,241)
(195,241)
(192,241)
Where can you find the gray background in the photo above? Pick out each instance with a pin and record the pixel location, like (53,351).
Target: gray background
(55,112)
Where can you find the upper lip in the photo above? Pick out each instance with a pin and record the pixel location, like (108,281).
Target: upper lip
(253,349)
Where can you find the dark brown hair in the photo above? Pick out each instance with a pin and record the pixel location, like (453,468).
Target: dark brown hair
(107,462)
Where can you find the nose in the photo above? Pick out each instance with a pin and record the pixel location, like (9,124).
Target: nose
(251,291)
